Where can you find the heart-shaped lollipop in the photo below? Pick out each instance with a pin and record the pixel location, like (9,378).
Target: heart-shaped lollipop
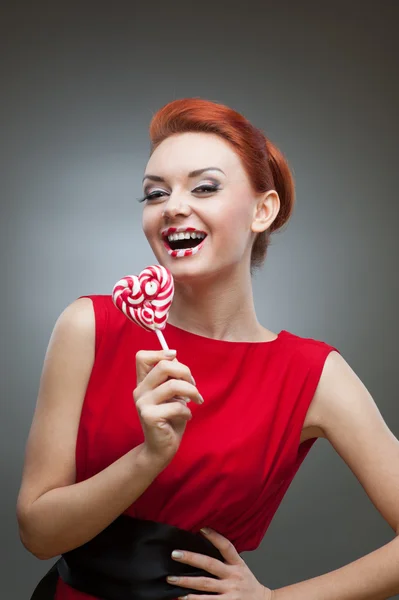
(146,298)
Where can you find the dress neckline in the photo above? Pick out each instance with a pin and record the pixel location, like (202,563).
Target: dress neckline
(184,332)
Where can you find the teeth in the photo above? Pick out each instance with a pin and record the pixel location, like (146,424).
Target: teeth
(185,236)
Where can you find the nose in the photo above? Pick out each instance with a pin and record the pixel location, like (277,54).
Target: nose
(175,206)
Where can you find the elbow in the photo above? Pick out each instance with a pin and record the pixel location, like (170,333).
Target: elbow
(33,548)
(31,545)
(31,541)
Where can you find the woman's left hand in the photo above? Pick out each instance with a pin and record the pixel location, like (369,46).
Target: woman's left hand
(235,580)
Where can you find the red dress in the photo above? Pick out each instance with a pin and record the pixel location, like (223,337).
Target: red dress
(239,452)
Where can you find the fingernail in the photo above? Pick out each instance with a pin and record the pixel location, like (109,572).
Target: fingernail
(201,399)
(185,399)
(170,352)
(193,380)
(177,554)
(205,530)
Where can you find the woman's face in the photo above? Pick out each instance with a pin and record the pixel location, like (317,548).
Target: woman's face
(225,209)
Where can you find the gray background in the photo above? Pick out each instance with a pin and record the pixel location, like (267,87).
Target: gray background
(80,83)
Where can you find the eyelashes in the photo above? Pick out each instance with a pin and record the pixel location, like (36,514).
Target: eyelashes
(155,195)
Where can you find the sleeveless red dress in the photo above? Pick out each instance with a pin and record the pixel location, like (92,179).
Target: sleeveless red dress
(239,452)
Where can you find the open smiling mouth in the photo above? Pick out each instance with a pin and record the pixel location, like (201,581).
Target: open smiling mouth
(180,245)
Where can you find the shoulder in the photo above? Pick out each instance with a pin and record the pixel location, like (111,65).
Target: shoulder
(99,307)
(78,314)
(306,353)
(83,318)
(311,360)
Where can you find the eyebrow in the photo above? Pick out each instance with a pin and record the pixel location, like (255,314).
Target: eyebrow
(191,174)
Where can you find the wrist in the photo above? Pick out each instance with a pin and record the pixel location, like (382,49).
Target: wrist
(152,460)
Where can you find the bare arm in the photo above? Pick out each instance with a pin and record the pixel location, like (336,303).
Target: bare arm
(352,423)
(54,513)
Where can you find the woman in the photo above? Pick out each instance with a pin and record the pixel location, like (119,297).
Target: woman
(150,471)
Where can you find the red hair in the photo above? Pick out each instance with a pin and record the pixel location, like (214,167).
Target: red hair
(263,162)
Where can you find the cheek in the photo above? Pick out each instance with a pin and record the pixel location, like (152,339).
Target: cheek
(146,222)
(234,222)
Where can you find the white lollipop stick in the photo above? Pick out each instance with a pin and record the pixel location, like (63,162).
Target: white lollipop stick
(161,339)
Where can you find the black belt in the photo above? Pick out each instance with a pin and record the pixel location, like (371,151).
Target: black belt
(129,560)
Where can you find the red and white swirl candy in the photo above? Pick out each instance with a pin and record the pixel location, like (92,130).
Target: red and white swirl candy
(145,299)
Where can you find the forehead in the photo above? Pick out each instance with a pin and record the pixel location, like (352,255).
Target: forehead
(184,152)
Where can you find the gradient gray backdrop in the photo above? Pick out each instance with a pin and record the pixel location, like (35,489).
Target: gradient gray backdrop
(80,83)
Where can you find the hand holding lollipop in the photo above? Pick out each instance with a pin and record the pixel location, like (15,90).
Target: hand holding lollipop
(146,300)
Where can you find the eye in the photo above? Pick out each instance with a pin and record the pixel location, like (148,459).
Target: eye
(208,189)
(151,196)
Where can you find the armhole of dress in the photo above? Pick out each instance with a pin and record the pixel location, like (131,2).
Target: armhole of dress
(101,319)
(315,370)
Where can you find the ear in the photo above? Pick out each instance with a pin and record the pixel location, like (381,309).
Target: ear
(266,210)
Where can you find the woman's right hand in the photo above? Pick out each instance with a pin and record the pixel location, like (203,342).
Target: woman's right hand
(161,379)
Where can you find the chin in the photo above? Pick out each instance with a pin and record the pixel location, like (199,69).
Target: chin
(184,270)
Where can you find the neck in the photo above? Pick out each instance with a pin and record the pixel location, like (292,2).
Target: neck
(221,308)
